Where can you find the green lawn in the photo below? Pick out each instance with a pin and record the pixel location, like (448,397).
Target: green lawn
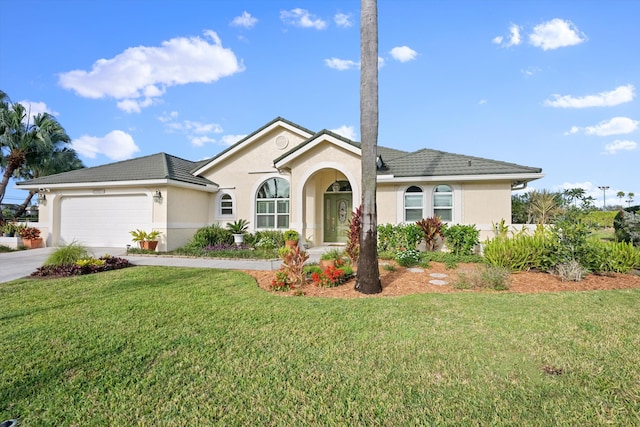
(158,346)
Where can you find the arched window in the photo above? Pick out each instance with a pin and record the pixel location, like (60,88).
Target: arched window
(443,202)
(272,204)
(413,203)
(225,205)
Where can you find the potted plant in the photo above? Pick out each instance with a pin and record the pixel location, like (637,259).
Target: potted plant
(291,238)
(331,258)
(30,237)
(238,228)
(9,229)
(148,241)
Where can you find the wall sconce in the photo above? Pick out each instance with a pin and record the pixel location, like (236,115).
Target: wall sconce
(335,186)
(157,197)
(42,199)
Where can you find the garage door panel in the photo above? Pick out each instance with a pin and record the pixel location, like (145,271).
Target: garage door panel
(103,220)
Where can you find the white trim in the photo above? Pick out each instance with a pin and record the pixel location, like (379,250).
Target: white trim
(454,178)
(314,143)
(218,208)
(254,200)
(249,140)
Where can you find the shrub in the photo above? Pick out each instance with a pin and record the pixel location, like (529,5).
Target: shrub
(293,260)
(618,257)
(281,281)
(210,235)
(291,235)
(485,277)
(328,278)
(432,231)
(268,239)
(627,227)
(519,253)
(28,232)
(393,237)
(461,239)
(68,254)
(85,266)
(570,271)
(407,257)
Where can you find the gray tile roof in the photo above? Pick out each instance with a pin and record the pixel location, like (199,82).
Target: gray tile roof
(427,162)
(159,166)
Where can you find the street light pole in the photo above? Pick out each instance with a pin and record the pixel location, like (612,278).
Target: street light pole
(604,189)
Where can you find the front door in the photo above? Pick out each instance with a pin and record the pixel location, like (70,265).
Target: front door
(337,212)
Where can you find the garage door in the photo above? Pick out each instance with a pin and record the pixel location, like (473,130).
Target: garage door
(103,221)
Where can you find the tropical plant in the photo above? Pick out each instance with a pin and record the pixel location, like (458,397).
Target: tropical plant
(210,235)
(432,230)
(353,235)
(368,279)
(543,206)
(239,226)
(293,259)
(329,277)
(23,140)
(620,195)
(627,227)
(291,235)
(29,233)
(144,236)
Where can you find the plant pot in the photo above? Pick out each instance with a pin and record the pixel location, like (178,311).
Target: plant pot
(32,243)
(238,239)
(324,263)
(149,245)
(291,243)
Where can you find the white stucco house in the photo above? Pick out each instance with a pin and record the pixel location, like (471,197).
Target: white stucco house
(280,176)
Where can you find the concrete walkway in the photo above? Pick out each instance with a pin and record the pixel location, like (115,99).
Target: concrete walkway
(14,265)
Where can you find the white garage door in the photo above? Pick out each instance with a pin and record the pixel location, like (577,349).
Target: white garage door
(103,221)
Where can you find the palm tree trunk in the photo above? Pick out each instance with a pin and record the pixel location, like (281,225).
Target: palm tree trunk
(23,207)
(368,278)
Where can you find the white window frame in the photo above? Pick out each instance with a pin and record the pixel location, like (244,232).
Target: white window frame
(413,208)
(451,208)
(276,202)
(219,207)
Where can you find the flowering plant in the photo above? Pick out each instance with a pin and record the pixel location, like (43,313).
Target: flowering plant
(407,257)
(281,281)
(328,278)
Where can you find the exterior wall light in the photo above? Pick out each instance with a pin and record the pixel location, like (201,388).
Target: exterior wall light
(157,197)
(42,199)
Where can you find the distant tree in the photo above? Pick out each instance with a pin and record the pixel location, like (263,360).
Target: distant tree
(22,140)
(572,195)
(368,278)
(520,213)
(620,195)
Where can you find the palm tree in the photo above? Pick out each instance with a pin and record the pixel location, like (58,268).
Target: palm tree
(21,141)
(630,196)
(620,195)
(574,194)
(544,206)
(368,279)
(58,161)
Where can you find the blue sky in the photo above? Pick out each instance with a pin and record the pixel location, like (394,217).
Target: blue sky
(550,84)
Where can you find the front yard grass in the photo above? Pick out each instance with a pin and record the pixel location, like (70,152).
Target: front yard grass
(163,345)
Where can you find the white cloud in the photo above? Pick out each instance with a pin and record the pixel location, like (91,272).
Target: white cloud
(231,139)
(573,130)
(199,141)
(348,132)
(245,20)
(168,117)
(35,108)
(139,75)
(381,62)
(302,18)
(341,64)
(513,39)
(530,71)
(116,145)
(620,145)
(555,34)
(342,20)
(482,102)
(617,96)
(403,53)
(615,126)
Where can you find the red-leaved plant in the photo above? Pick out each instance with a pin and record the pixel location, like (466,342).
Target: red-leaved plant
(329,278)
(353,236)
(432,229)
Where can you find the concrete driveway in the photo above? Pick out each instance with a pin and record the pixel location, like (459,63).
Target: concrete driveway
(14,265)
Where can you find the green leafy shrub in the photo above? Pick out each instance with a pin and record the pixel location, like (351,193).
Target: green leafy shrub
(210,235)
(281,281)
(599,219)
(461,239)
(67,270)
(393,237)
(407,257)
(617,257)
(68,254)
(520,252)
(268,239)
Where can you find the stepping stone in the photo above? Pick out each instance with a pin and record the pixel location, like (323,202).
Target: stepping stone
(415,270)
(437,282)
(438,275)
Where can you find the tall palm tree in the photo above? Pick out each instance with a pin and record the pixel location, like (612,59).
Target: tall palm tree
(58,161)
(22,141)
(620,195)
(368,279)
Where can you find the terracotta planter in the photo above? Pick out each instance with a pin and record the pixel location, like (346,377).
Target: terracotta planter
(149,245)
(324,263)
(32,243)
(291,243)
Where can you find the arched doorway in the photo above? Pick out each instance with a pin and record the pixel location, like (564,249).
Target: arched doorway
(337,211)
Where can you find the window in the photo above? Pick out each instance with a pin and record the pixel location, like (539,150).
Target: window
(413,203)
(443,202)
(272,204)
(226,205)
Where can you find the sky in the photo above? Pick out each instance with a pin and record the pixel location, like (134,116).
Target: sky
(548,84)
